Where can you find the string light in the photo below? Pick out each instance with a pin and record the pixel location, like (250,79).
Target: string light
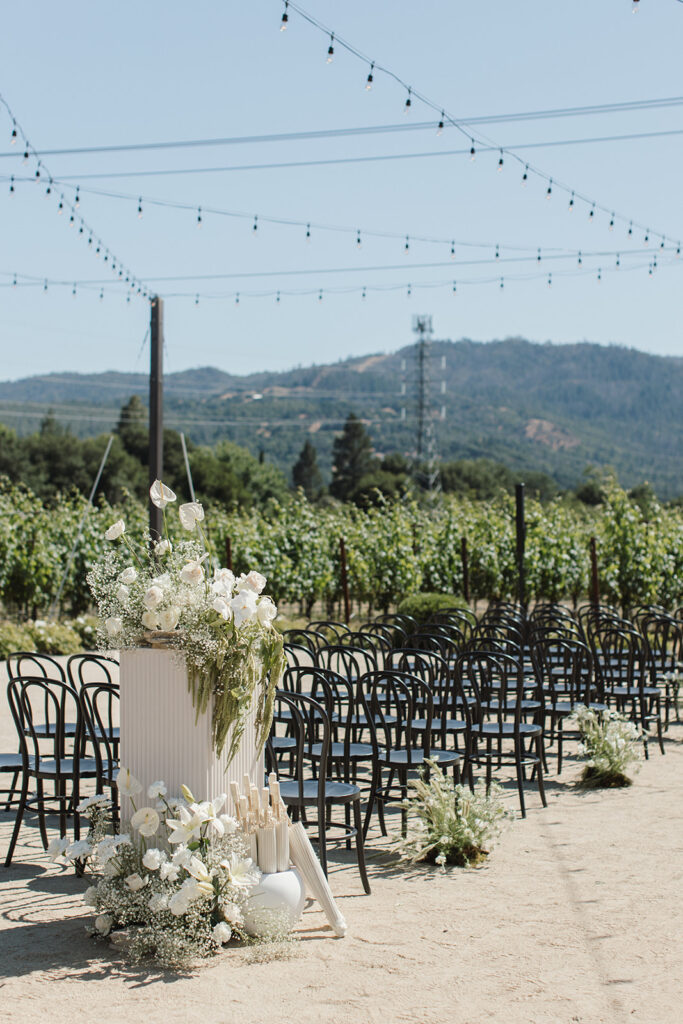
(454,289)
(611,223)
(571,203)
(502,282)
(277,297)
(237,299)
(320,295)
(406,247)
(308,232)
(409,292)
(580,260)
(525,176)
(74,289)
(550,280)
(497,252)
(646,240)
(538,256)
(13,135)
(140,208)
(255,225)
(77,198)
(358,240)
(473,151)
(440,126)
(452,250)
(618,263)
(37,174)
(364,292)
(11,184)
(196,300)
(549,190)
(500,161)
(48,190)
(25,157)
(635,6)
(199,216)
(661,244)
(370,79)
(599,275)
(45,285)
(285,18)
(330,50)
(630,230)
(591,215)
(409,103)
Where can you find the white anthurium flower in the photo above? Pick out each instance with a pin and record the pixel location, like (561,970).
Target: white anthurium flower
(116,530)
(223,582)
(156,789)
(123,593)
(252,580)
(192,572)
(90,896)
(185,828)
(244,606)
(169,618)
(158,902)
(150,620)
(57,848)
(152,597)
(113,625)
(222,933)
(162,547)
(232,913)
(191,514)
(242,871)
(266,611)
(168,872)
(78,850)
(146,821)
(103,924)
(128,576)
(160,494)
(135,882)
(222,607)
(153,859)
(127,784)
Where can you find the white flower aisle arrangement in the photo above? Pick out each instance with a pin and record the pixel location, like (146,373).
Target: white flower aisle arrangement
(609,742)
(168,594)
(178,883)
(450,823)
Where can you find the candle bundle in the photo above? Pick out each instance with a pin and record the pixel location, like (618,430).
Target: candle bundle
(263,817)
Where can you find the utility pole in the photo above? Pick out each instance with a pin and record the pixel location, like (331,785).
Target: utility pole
(425,454)
(520,523)
(156,409)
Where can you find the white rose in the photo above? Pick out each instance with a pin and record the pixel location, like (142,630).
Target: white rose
(160,494)
(266,611)
(123,593)
(103,924)
(192,572)
(222,933)
(232,913)
(223,582)
(191,514)
(153,597)
(150,620)
(90,896)
(152,859)
(243,606)
(135,882)
(113,625)
(222,607)
(158,903)
(115,530)
(169,872)
(128,575)
(253,580)
(169,618)
(179,903)
(162,547)
(146,821)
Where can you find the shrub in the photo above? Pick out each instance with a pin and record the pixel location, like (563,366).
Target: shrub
(14,638)
(423,607)
(53,638)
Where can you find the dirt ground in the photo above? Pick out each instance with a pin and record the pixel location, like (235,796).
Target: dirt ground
(576,917)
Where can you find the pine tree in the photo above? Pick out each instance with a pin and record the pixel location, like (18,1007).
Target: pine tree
(306,473)
(352,457)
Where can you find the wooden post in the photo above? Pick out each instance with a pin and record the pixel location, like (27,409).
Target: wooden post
(595,582)
(344,580)
(156,409)
(521,538)
(465,569)
(228,553)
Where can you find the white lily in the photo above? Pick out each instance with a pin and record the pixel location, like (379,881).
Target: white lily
(186,827)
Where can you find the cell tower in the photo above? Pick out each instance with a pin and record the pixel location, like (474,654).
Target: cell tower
(420,382)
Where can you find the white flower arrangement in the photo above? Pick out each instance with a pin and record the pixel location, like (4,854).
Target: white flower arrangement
(178,883)
(450,823)
(609,742)
(171,594)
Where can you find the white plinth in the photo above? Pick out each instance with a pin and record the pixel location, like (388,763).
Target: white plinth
(159,738)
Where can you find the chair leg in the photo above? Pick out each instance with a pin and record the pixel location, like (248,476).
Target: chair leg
(359,846)
(541,784)
(322,839)
(19,818)
(11,790)
(560,739)
(520,774)
(40,795)
(375,785)
(403,782)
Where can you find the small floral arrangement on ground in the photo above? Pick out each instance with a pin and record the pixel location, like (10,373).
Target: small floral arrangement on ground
(177,884)
(164,593)
(609,741)
(452,824)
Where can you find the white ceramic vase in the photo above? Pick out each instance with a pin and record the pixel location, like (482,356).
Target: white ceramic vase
(276,904)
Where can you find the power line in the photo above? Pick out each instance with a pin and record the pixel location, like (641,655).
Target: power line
(476,141)
(331,133)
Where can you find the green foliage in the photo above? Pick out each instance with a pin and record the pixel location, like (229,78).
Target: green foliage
(423,607)
(352,458)
(14,638)
(53,638)
(306,472)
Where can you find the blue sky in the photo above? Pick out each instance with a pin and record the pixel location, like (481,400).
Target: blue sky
(94,75)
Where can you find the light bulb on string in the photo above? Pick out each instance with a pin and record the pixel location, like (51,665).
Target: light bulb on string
(538,256)
(254,227)
(630,230)
(11,184)
(473,151)
(277,297)
(454,289)
(502,283)
(370,79)
(308,232)
(678,251)
(45,285)
(497,252)
(14,282)
(409,103)
(285,18)
(599,275)
(409,292)
(196,300)
(237,298)
(97,250)
(452,250)
(358,240)
(550,280)
(650,271)
(646,240)
(13,134)
(618,263)
(77,200)
(320,295)
(25,157)
(500,161)
(199,216)
(101,294)
(525,176)
(48,190)
(591,215)
(662,243)
(330,50)
(580,259)
(440,126)
(140,208)
(549,190)
(635,6)
(74,289)
(364,293)
(106,256)
(406,247)
(72,220)
(571,202)
(611,223)
(37,174)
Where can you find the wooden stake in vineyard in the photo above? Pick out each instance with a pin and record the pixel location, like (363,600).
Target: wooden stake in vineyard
(465,569)
(344,580)
(595,581)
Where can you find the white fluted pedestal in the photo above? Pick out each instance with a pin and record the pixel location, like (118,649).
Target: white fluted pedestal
(159,737)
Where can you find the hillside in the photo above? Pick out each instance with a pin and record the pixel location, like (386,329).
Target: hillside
(555,408)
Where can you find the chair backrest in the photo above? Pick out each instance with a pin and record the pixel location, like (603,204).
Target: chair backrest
(393,634)
(298,654)
(331,630)
(99,709)
(91,668)
(38,666)
(350,662)
(495,685)
(396,700)
(622,659)
(305,638)
(664,637)
(366,640)
(309,724)
(564,669)
(41,709)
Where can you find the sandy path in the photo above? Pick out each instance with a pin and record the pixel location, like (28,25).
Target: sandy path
(576,918)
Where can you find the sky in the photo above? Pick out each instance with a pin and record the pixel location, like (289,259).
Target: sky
(91,75)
